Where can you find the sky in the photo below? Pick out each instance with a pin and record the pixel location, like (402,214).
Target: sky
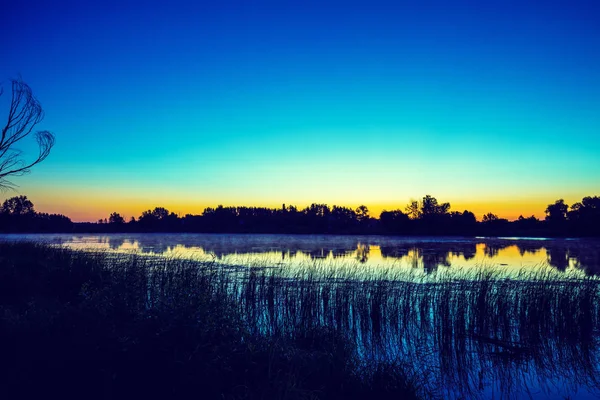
(491,106)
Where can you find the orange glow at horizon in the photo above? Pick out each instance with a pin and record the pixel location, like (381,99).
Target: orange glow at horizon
(91,209)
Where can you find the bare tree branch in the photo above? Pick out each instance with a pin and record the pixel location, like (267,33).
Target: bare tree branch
(24,114)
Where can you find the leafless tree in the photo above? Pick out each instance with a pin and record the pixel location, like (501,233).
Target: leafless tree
(24,114)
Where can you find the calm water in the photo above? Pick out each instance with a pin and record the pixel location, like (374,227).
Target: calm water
(517,342)
(415,256)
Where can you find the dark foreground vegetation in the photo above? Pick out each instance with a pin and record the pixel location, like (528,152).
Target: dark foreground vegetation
(426,217)
(110,325)
(78,325)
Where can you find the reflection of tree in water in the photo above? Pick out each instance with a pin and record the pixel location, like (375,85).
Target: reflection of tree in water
(394,251)
(115,242)
(410,253)
(362,252)
(433,259)
(531,248)
(152,245)
(558,257)
(492,249)
(586,258)
(585,255)
(428,255)
(428,258)
(468,251)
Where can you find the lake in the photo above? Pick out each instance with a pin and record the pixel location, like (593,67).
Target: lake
(471,317)
(405,256)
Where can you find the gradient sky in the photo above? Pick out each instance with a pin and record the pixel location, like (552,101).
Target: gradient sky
(492,106)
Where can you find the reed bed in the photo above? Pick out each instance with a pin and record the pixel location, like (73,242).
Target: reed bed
(380,333)
(463,333)
(106,326)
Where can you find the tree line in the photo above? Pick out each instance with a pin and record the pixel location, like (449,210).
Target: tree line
(427,216)
(17,214)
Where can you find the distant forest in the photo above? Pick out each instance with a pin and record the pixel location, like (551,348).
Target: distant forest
(425,217)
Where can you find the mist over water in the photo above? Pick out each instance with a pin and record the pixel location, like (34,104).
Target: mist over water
(508,257)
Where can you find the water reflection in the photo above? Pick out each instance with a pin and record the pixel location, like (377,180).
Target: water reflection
(482,336)
(362,252)
(426,255)
(116,242)
(558,257)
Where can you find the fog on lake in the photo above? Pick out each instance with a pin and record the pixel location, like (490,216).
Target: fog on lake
(414,255)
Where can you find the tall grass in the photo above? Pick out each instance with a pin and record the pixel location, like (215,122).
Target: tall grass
(108,326)
(175,326)
(462,333)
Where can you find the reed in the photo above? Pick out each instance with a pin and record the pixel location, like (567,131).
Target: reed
(110,326)
(464,331)
(312,332)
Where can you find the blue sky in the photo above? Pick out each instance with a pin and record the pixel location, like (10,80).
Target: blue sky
(492,106)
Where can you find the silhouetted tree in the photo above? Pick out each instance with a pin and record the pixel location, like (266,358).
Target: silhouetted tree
(463,223)
(52,223)
(532,219)
(24,113)
(159,213)
(318,210)
(362,213)
(343,220)
(316,218)
(530,226)
(434,218)
(584,216)
(589,207)
(116,218)
(17,214)
(492,225)
(18,205)
(159,219)
(468,217)
(413,210)
(489,217)
(394,221)
(430,206)
(556,214)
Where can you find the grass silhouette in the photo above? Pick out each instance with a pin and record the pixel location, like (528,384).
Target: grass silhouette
(129,325)
(113,327)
